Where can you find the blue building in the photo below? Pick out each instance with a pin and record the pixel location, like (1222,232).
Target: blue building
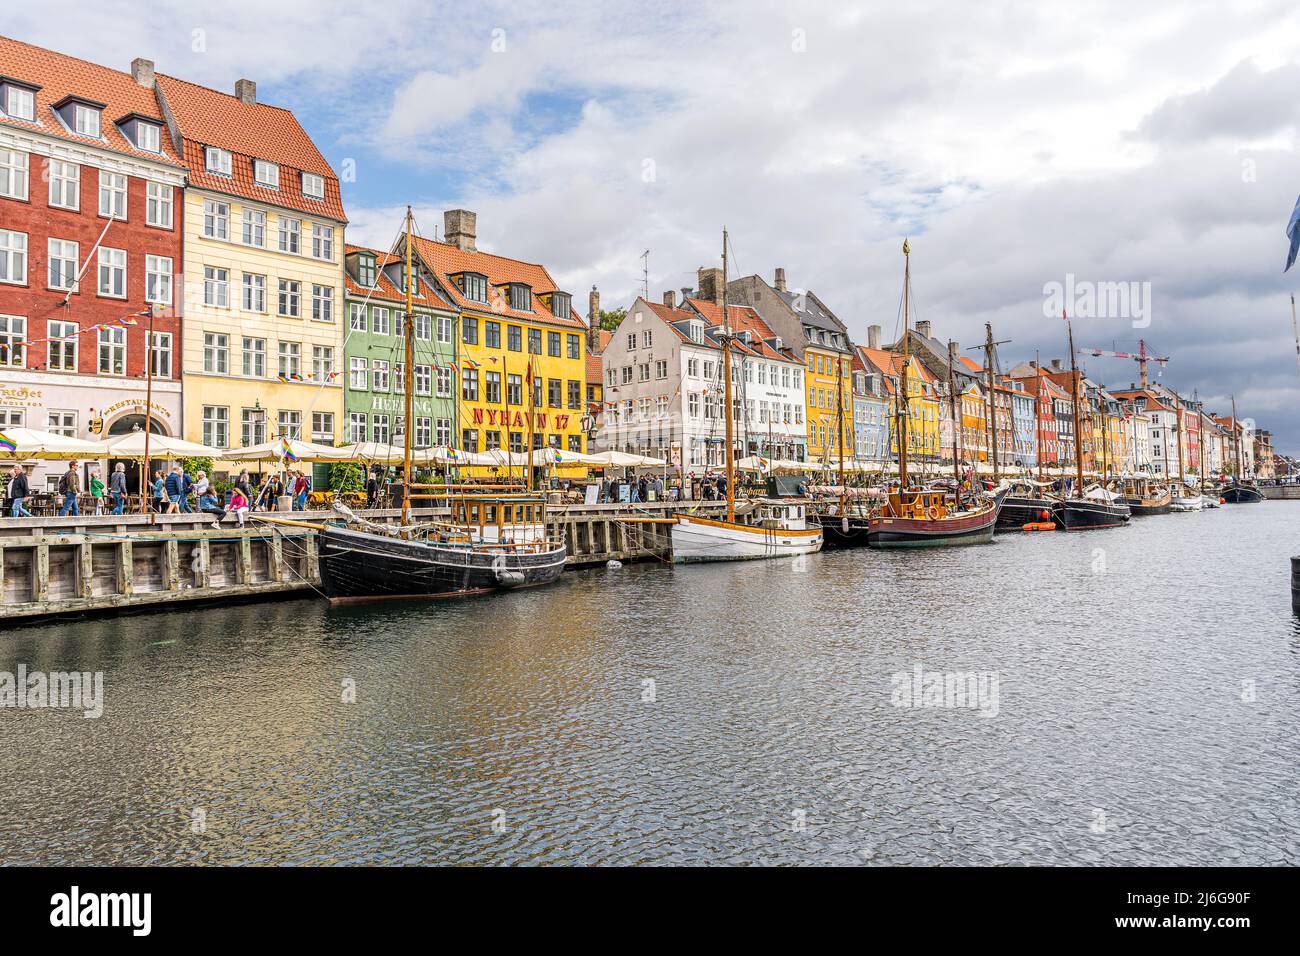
(1024,445)
(870,412)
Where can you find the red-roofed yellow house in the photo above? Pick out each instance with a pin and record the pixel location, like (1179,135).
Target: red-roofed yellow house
(263,228)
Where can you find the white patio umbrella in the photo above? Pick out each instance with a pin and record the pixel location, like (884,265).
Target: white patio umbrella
(274,451)
(561,456)
(131,445)
(33,443)
(619,459)
(384,453)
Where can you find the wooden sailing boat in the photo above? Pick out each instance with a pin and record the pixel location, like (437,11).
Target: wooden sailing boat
(1027,504)
(1240,491)
(1080,508)
(492,541)
(773,528)
(913,517)
(848,526)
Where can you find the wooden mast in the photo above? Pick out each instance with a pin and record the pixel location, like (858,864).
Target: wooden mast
(408,377)
(1074,397)
(902,390)
(726,385)
(993,400)
(1178,438)
(956,423)
(839,405)
(1236,439)
(1038,411)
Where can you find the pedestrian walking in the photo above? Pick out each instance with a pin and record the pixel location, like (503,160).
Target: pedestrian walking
(97,489)
(70,487)
(117,487)
(18,490)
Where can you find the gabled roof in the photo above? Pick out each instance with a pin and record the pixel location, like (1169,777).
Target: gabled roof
(812,311)
(446,260)
(595,370)
(744,319)
(205,117)
(384,289)
(60,76)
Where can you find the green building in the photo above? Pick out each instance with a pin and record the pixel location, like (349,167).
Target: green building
(374,354)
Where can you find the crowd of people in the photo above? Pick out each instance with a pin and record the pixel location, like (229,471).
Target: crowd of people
(174,491)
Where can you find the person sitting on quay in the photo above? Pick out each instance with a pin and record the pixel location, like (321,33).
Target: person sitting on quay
(18,490)
(238,504)
(209,503)
(117,487)
(70,487)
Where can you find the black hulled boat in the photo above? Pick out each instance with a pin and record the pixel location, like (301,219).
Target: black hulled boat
(1026,502)
(1238,493)
(1097,510)
(1144,499)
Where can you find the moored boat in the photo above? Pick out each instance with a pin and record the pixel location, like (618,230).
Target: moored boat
(1097,508)
(926,518)
(1239,493)
(778,529)
(1025,502)
(1144,498)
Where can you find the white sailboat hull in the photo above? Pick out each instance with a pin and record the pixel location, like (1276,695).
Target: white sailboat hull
(1189,503)
(700,539)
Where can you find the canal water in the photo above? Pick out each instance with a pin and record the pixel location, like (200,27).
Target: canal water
(1136,692)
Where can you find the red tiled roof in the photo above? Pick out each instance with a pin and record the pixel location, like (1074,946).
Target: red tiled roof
(446,260)
(595,370)
(743,319)
(606,336)
(384,288)
(256,131)
(59,76)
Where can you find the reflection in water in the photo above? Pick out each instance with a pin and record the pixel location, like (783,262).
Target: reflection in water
(730,713)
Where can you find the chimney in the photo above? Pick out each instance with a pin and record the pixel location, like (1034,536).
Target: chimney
(923,328)
(780,279)
(953,351)
(686,293)
(873,336)
(593,319)
(1056,365)
(711,285)
(246,90)
(142,72)
(460,229)
(670,299)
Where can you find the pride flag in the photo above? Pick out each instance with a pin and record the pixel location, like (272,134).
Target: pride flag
(7,443)
(287,450)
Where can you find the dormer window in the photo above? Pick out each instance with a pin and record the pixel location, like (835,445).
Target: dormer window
(148,137)
(217,160)
(696,331)
(474,286)
(85,120)
(313,186)
(561,305)
(266,174)
(521,297)
(366,270)
(19,102)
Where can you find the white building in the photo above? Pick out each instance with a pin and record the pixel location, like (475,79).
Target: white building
(663,386)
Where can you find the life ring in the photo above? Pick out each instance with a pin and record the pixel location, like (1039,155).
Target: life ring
(932,512)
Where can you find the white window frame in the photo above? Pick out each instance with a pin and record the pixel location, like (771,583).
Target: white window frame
(313,186)
(20,104)
(322,242)
(290,235)
(253,356)
(322,428)
(148,136)
(112,350)
(322,362)
(289,298)
(379,371)
(266,174)
(289,359)
(86,121)
(55,252)
(216,426)
(356,427)
(252,295)
(254,228)
(322,303)
(158,279)
(216,160)
(216,287)
(112,195)
(65,184)
(64,339)
(112,268)
(158,205)
(14,173)
(216,219)
(358,374)
(216,353)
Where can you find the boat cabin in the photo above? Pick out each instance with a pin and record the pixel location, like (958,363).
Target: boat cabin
(499,519)
(918,505)
(786,516)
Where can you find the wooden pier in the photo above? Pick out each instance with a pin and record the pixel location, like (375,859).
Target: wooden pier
(55,566)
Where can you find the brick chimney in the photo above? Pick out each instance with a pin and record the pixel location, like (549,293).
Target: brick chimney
(780,279)
(954,351)
(923,328)
(1056,365)
(593,320)
(711,285)
(670,299)
(686,293)
(246,90)
(873,336)
(142,72)
(460,229)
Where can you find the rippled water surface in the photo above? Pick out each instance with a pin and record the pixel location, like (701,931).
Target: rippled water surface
(736,713)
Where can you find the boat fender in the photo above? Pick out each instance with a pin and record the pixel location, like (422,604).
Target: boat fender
(932,512)
(509,579)
(844,524)
(1045,515)
(613,565)
(1223,501)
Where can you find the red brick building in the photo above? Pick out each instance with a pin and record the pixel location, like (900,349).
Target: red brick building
(91,217)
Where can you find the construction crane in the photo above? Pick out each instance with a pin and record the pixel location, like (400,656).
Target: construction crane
(1141,356)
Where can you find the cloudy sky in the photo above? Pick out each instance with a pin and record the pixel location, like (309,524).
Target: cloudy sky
(1016,144)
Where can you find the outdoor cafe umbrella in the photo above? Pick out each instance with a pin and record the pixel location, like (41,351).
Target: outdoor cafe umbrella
(619,459)
(20,443)
(131,445)
(274,450)
(561,456)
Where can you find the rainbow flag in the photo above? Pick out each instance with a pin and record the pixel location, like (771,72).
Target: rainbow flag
(283,378)
(470,363)
(295,376)
(287,450)
(558,458)
(127,320)
(7,443)
(451,454)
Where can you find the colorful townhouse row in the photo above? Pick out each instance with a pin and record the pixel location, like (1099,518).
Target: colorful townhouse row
(803,391)
(133,199)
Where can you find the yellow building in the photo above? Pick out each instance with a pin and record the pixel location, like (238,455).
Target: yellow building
(262,340)
(515,326)
(974,424)
(829,372)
